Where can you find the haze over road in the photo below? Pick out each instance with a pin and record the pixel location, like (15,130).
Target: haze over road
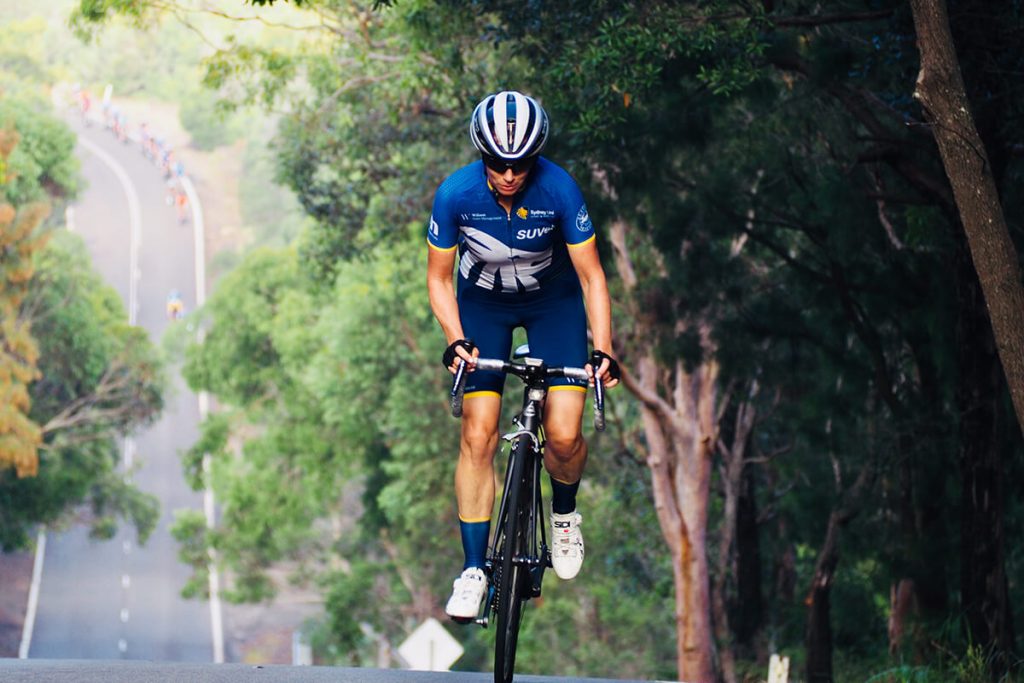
(114,599)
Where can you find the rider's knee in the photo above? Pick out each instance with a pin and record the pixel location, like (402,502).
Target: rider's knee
(479,441)
(564,446)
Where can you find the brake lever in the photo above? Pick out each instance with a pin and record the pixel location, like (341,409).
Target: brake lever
(458,386)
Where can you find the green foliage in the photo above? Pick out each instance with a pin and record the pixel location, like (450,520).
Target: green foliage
(42,165)
(100,378)
(189,530)
(268,209)
(208,123)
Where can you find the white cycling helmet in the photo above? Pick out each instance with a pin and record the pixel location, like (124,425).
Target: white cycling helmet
(509,125)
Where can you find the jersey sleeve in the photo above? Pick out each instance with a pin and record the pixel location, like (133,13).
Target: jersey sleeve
(443,231)
(576,226)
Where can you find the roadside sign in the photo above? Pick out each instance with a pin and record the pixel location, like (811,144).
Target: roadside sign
(430,647)
(778,669)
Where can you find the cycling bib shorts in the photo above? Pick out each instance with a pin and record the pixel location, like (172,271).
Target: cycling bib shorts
(556,329)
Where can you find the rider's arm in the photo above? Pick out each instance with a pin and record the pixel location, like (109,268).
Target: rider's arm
(442,241)
(440,289)
(578,232)
(595,294)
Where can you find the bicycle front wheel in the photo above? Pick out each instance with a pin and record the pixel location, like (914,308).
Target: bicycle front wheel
(513,577)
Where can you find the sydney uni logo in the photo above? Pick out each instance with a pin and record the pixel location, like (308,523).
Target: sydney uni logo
(522,212)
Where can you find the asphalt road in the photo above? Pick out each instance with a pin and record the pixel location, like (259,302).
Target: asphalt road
(13,670)
(116,599)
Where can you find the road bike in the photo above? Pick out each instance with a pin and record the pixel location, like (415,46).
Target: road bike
(519,553)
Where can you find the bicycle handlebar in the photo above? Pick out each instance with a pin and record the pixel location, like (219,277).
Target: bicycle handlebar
(522,371)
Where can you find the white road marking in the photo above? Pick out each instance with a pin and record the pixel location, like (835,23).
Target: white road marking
(33,597)
(134,217)
(124,615)
(209,509)
(126,546)
(126,581)
(69,218)
(122,645)
(128,458)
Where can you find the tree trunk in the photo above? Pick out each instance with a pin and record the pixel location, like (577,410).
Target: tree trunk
(679,457)
(983,580)
(819,627)
(902,614)
(733,457)
(940,89)
(677,409)
(818,638)
(749,609)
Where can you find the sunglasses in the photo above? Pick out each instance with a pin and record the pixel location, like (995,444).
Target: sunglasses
(499,165)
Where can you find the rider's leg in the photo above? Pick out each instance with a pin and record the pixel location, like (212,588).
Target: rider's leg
(474,491)
(557,330)
(564,457)
(474,472)
(566,451)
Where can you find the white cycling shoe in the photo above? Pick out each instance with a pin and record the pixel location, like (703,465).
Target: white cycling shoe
(566,544)
(467,594)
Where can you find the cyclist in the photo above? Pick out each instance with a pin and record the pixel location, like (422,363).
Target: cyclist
(181,205)
(175,306)
(527,258)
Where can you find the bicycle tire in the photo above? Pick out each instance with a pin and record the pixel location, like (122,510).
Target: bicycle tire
(512,577)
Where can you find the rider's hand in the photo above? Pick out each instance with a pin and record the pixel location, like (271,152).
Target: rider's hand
(460,349)
(607,368)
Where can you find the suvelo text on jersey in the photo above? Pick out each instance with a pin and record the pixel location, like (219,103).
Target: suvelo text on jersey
(507,253)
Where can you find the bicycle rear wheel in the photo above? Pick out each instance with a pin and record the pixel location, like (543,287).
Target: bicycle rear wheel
(513,577)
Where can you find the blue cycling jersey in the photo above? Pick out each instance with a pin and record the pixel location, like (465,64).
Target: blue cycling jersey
(507,254)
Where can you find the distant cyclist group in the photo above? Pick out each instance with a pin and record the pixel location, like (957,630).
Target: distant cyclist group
(152,145)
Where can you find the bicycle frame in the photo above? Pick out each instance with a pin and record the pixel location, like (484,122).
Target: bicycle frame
(530,422)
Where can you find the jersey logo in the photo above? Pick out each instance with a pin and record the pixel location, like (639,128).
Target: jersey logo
(583,223)
(522,212)
(434,230)
(533,233)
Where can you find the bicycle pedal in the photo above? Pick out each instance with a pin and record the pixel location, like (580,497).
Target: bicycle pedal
(481,622)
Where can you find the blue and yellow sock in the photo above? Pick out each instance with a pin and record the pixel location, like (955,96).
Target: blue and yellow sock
(474,541)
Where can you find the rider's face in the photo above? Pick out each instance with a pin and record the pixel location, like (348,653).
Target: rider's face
(508,181)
